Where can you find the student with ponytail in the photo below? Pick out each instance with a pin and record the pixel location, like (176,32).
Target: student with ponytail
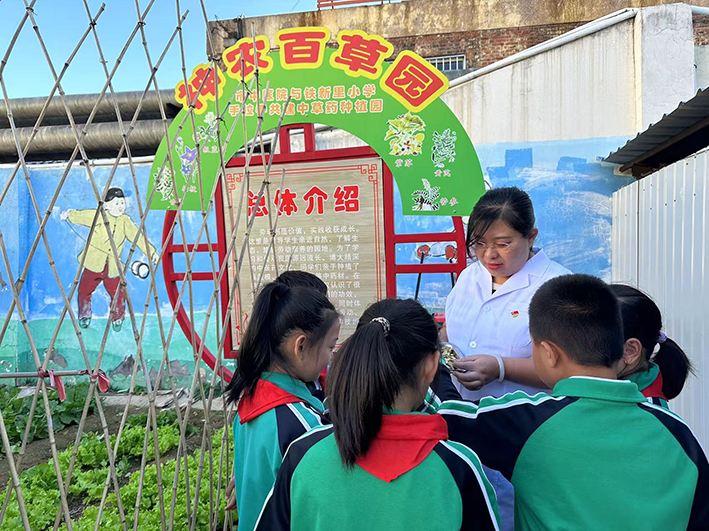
(381,465)
(289,339)
(659,377)
(303,279)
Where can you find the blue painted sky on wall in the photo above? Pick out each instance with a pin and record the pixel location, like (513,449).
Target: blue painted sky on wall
(570,190)
(571,193)
(41,297)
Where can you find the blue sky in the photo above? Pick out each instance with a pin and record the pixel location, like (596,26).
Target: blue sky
(62,22)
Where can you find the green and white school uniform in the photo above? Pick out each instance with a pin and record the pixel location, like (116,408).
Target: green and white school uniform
(595,454)
(281,410)
(649,383)
(411,478)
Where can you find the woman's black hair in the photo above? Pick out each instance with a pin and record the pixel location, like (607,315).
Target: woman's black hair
(302,279)
(509,205)
(642,320)
(372,367)
(278,311)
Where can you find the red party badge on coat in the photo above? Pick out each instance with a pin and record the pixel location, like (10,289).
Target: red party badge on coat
(515,314)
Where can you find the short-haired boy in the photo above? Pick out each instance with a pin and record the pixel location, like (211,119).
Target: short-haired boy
(593,454)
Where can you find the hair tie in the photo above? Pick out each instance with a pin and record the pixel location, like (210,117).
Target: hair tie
(662,338)
(385,324)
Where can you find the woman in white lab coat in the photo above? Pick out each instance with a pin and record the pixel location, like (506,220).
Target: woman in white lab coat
(486,312)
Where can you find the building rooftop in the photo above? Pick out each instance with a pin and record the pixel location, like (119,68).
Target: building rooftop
(675,136)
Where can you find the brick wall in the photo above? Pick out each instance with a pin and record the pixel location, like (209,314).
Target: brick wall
(701,30)
(482,47)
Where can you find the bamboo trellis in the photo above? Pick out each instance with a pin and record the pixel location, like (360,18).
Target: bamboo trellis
(217,468)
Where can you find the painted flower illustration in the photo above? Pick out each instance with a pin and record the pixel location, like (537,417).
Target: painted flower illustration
(427,199)
(443,148)
(187,158)
(208,132)
(406,135)
(163,184)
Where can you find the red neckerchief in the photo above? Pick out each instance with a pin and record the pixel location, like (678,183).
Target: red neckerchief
(267,396)
(654,390)
(403,442)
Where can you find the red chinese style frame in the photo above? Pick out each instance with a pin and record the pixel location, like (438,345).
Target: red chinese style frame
(391,239)
(368,169)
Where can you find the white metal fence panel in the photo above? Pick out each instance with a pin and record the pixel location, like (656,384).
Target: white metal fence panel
(624,242)
(660,245)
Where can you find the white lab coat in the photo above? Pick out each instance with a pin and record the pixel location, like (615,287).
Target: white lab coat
(479,321)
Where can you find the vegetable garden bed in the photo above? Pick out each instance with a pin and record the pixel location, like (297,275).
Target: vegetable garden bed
(39,482)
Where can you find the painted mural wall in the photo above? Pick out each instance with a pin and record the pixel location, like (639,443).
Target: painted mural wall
(539,124)
(67,232)
(571,192)
(570,189)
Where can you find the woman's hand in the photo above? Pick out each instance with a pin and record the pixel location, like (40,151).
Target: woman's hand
(481,370)
(231,495)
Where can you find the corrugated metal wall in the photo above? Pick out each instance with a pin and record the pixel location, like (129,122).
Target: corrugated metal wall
(660,227)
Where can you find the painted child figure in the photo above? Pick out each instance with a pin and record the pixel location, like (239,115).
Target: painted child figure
(382,465)
(289,339)
(593,454)
(100,265)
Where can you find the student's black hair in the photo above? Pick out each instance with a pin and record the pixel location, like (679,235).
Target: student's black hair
(581,315)
(642,320)
(509,205)
(278,311)
(372,367)
(302,279)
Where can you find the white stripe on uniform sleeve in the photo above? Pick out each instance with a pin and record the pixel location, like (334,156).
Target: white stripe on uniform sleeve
(477,476)
(678,418)
(301,418)
(495,407)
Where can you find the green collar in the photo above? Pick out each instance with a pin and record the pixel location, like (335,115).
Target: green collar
(388,411)
(293,386)
(645,379)
(600,388)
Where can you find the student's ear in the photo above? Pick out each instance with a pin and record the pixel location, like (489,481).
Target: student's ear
(551,354)
(299,343)
(429,366)
(632,352)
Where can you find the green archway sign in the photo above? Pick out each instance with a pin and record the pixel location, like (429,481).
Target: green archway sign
(394,107)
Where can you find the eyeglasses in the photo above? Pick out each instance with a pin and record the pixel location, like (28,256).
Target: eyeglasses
(501,247)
